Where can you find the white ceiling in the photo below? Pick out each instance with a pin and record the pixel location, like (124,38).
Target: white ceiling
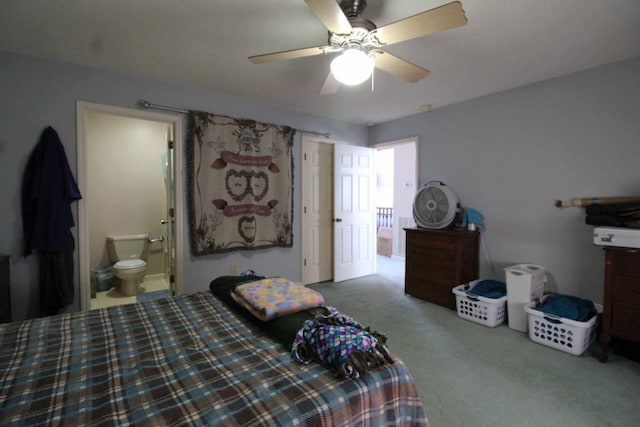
(205,43)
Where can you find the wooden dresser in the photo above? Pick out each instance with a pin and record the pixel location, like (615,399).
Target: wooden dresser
(439,260)
(621,311)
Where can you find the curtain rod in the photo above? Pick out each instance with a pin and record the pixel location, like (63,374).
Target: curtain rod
(147,105)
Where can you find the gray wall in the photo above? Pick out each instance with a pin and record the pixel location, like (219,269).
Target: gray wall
(36,93)
(509,155)
(512,154)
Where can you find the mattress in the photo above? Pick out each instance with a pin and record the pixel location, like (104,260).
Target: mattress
(186,360)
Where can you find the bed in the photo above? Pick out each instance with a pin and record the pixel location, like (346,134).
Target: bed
(186,360)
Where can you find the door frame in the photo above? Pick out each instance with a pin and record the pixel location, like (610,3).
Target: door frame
(306,138)
(306,224)
(304,174)
(415,141)
(82,110)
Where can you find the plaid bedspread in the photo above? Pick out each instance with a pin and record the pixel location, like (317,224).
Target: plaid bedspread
(181,361)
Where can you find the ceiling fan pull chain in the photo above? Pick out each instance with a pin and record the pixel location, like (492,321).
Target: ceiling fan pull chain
(373,73)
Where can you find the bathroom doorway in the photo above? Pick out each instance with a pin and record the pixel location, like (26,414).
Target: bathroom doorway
(127,173)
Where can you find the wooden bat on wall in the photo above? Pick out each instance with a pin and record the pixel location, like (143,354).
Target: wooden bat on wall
(583,202)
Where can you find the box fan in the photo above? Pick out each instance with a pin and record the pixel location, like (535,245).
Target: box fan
(435,206)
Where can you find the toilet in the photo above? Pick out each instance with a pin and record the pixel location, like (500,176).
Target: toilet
(129,253)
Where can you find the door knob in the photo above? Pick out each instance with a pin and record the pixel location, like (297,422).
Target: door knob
(163,221)
(338,220)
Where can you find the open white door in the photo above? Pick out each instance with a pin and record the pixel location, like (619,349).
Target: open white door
(354,212)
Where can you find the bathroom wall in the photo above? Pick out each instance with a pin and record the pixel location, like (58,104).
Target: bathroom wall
(125,177)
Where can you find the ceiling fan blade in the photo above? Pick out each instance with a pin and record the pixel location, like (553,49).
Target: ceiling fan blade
(289,54)
(329,12)
(450,15)
(399,67)
(330,86)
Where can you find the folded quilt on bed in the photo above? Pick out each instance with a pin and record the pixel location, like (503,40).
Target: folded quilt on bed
(283,329)
(274,297)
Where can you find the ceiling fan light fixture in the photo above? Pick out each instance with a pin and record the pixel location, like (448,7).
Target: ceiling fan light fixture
(352,67)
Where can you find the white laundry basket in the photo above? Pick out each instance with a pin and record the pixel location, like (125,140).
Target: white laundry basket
(485,311)
(567,335)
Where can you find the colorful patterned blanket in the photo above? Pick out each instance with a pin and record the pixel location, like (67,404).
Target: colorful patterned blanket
(342,343)
(187,360)
(274,297)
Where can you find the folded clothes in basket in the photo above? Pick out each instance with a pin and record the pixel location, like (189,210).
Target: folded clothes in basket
(569,307)
(489,289)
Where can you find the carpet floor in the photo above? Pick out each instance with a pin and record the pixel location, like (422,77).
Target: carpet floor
(471,375)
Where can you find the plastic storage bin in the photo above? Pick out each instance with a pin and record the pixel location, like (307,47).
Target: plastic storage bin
(525,283)
(486,311)
(567,335)
(103,277)
(517,316)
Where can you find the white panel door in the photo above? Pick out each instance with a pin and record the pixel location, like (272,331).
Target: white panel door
(354,212)
(317,212)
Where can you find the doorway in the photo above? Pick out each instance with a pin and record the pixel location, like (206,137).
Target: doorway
(129,178)
(396,176)
(338,211)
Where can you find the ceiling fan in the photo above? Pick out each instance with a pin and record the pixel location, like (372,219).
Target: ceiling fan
(360,41)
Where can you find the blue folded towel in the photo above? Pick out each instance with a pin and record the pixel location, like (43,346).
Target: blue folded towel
(489,289)
(472,216)
(569,307)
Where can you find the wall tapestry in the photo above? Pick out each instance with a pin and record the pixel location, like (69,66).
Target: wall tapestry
(240,184)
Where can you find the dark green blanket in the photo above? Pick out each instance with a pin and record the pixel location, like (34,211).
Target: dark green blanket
(282,329)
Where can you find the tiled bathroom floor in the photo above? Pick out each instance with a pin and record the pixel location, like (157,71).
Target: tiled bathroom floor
(113,297)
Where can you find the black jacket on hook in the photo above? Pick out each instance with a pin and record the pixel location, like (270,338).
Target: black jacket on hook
(48,189)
